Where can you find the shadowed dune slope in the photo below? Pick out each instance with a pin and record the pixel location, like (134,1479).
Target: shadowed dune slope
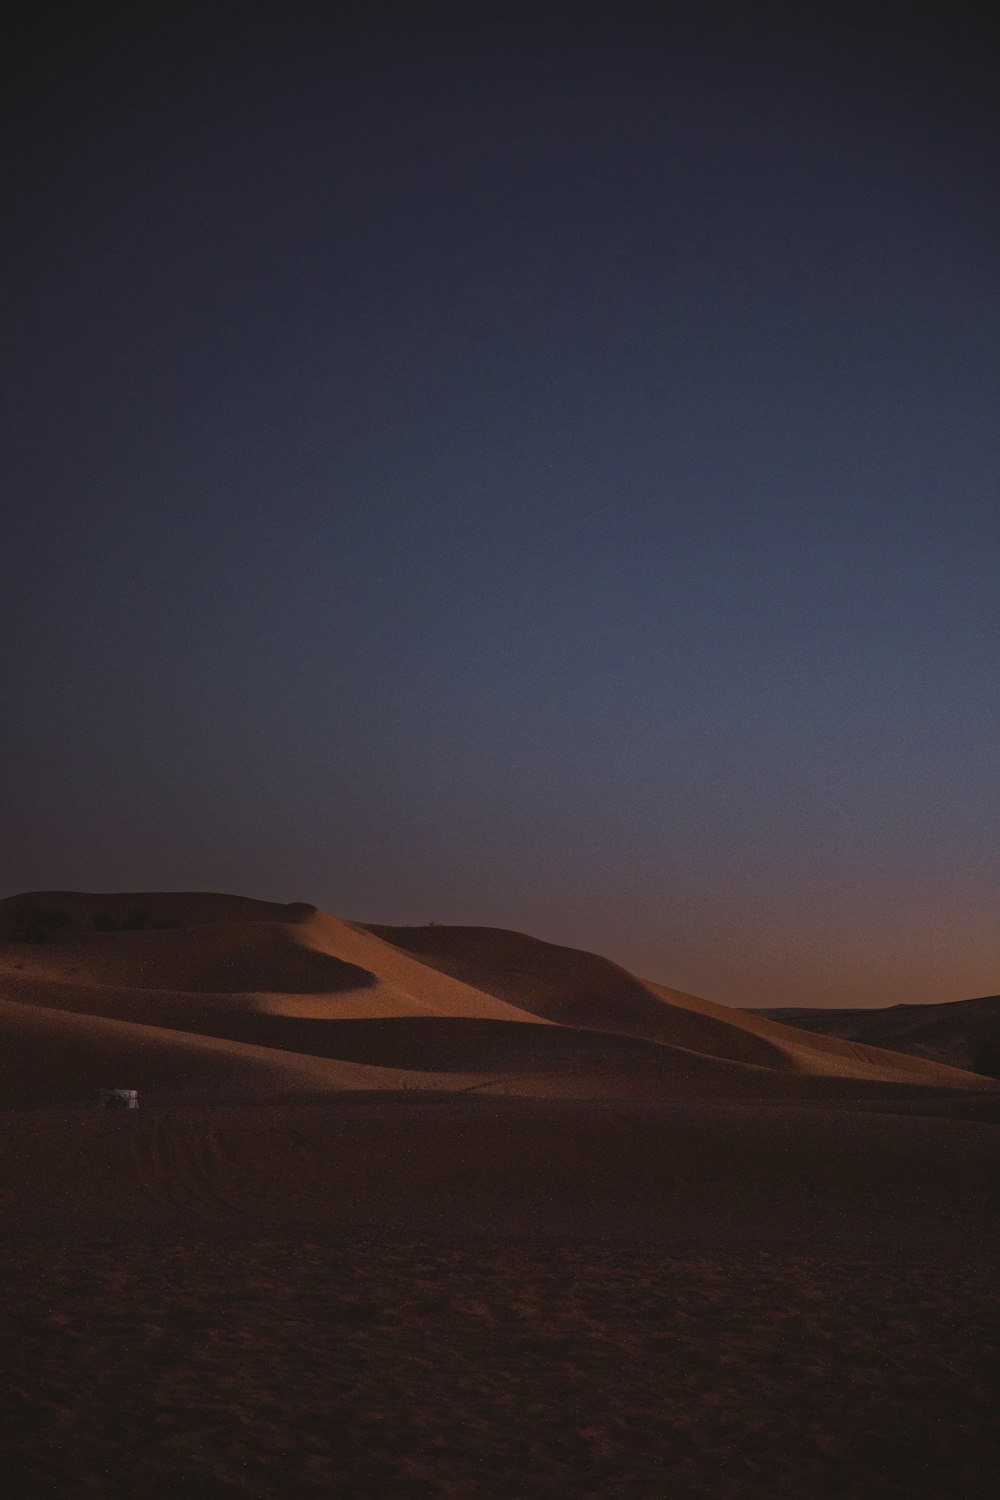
(50,1056)
(961,1033)
(244,999)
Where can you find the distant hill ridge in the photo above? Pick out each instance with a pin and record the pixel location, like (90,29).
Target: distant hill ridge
(961,1033)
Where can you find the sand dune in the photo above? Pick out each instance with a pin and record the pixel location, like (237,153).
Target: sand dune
(246,999)
(961,1033)
(57,1056)
(298,952)
(585,991)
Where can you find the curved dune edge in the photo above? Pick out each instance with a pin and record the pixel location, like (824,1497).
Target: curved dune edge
(241,999)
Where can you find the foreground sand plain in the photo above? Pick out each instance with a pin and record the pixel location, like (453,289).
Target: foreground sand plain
(365,1364)
(382,1230)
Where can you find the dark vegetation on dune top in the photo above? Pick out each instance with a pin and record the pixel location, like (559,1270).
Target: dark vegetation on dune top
(46,924)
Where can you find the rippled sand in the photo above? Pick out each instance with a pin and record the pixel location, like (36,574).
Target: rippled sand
(387,1366)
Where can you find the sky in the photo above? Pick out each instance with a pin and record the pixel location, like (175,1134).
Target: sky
(525,467)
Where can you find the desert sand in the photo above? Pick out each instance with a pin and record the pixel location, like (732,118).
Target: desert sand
(961,1033)
(457,1212)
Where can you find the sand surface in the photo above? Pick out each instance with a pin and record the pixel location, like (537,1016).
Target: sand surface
(450,1212)
(474,1297)
(690,1172)
(962,1033)
(383,1366)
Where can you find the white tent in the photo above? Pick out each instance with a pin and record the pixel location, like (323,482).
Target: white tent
(117,1099)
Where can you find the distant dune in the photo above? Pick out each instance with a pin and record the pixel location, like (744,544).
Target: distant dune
(960,1033)
(198,997)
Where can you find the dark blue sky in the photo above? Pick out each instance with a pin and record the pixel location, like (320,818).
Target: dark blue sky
(542,475)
